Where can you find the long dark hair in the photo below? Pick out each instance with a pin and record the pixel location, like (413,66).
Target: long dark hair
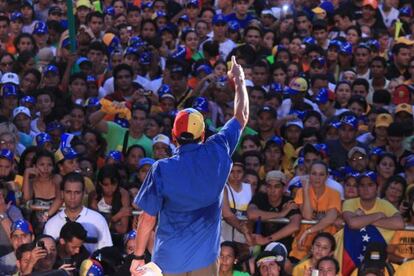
(111,172)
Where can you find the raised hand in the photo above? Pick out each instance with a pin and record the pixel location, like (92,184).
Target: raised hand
(236,71)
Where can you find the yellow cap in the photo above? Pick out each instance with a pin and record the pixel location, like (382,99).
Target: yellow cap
(404,108)
(318,10)
(404,40)
(383,120)
(84,3)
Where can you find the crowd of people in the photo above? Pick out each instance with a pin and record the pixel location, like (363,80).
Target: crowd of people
(87,108)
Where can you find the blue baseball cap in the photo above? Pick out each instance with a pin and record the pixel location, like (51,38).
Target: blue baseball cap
(146,5)
(16,16)
(219,19)
(66,153)
(346,48)
(6,154)
(179,53)
(193,3)
(374,44)
(92,102)
(145,161)
(268,109)
(327,6)
(275,140)
(22,225)
(165,88)
(54,125)
(145,58)
(115,155)
(409,162)
(27,99)
(184,18)
(310,40)
(109,11)
(40,28)
(9,90)
(90,78)
(207,69)
(319,61)
(370,174)
(43,138)
(134,40)
(334,124)
(405,11)
(161,14)
(350,120)
(200,104)
(276,87)
(83,60)
(131,235)
(131,51)
(233,26)
(51,69)
(335,43)
(377,151)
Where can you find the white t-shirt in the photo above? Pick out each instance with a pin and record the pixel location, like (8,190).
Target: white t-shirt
(93,222)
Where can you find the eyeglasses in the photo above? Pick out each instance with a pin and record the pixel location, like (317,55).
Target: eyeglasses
(357,158)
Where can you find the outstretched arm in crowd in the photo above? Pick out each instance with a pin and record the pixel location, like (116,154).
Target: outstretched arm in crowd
(241,98)
(146,224)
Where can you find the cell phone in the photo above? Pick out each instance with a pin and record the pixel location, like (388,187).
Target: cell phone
(68,261)
(41,244)
(315,272)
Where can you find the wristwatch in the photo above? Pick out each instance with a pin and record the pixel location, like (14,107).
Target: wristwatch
(140,257)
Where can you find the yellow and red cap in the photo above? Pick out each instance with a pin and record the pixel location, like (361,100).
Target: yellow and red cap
(188,121)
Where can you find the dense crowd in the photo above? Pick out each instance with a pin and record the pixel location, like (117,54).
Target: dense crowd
(88,105)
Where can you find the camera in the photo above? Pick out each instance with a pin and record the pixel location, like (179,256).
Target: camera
(41,244)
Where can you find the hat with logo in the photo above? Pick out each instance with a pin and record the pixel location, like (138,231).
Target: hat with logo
(324,95)
(6,154)
(21,109)
(404,108)
(383,120)
(51,68)
(298,123)
(91,267)
(27,100)
(277,176)
(131,235)
(267,109)
(405,11)
(189,125)
(233,26)
(269,257)
(145,161)
(349,120)
(9,90)
(201,104)
(10,78)
(409,162)
(40,28)
(115,155)
(43,138)
(22,225)
(375,256)
(370,174)
(346,48)
(16,16)
(279,250)
(193,3)
(355,150)
(66,153)
(161,138)
(297,85)
(219,19)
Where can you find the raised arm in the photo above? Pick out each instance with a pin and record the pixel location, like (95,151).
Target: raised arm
(241,98)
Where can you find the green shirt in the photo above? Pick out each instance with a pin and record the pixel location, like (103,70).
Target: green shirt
(115,139)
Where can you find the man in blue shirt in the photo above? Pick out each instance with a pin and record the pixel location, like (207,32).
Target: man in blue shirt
(184,192)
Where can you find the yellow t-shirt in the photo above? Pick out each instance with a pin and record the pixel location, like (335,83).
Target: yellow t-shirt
(404,241)
(300,268)
(381,205)
(330,199)
(405,269)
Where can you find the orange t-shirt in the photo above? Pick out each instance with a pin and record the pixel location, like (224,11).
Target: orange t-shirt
(404,241)
(330,199)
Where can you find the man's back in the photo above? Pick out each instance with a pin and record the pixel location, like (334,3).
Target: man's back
(185,190)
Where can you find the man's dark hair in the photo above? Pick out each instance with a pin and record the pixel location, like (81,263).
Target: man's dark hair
(381,96)
(363,82)
(121,67)
(76,76)
(395,130)
(98,46)
(314,48)
(397,48)
(72,177)
(251,153)
(72,230)
(5,18)
(94,14)
(133,8)
(320,25)
(47,92)
(380,59)
(26,247)
(316,77)
(211,47)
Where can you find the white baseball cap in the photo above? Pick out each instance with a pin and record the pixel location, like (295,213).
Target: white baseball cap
(21,109)
(161,138)
(10,78)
